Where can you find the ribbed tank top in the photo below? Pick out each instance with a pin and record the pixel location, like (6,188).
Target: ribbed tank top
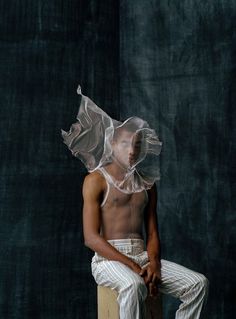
(110,184)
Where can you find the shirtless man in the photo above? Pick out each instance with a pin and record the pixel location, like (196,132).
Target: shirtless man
(120,201)
(112,223)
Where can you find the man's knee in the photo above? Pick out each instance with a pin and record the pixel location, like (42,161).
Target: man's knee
(201,283)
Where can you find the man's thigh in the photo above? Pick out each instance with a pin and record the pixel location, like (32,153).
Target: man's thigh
(114,274)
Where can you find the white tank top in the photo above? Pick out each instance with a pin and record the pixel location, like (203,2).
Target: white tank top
(110,184)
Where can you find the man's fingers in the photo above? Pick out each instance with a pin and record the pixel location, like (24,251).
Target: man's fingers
(149,276)
(155,279)
(142,272)
(152,289)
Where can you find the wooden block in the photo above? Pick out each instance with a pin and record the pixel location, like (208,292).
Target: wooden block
(108,307)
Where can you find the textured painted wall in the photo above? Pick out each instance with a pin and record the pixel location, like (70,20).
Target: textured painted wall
(177,65)
(46,48)
(171,62)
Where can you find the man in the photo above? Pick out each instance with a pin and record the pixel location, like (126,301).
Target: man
(120,197)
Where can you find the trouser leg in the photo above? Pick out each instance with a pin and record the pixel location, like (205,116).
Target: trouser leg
(189,286)
(130,286)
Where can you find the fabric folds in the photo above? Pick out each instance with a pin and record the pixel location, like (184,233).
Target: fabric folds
(98,140)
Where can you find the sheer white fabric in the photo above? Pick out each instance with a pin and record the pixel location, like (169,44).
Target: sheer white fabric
(98,140)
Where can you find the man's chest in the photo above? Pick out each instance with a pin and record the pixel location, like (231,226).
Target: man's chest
(119,199)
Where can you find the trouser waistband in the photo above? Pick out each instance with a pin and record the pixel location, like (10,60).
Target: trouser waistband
(128,246)
(128,242)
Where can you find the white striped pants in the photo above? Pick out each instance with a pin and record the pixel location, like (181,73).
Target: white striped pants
(189,286)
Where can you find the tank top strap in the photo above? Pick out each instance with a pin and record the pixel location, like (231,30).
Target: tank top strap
(105,175)
(108,181)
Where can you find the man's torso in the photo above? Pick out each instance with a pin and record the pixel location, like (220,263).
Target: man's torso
(122,214)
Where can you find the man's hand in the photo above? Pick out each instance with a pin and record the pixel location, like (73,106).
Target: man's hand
(135,267)
(152,277)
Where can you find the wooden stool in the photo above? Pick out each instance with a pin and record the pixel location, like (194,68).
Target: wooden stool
(108,307)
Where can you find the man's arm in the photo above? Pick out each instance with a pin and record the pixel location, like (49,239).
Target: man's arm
(151,226)
(93,188)
(152,273)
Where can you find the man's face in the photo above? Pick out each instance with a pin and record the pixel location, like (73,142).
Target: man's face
(127,147)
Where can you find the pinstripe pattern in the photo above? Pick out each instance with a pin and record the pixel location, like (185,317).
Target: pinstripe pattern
(189,286)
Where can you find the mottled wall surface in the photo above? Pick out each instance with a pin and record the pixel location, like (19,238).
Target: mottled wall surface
(46,49)
(171,62)
(177,70)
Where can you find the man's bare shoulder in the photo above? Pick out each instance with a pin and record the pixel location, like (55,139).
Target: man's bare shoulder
(94,181)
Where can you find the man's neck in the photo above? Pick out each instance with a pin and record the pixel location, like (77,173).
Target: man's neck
(116,170)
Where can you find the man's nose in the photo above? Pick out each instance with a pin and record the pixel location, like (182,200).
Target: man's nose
(131,151)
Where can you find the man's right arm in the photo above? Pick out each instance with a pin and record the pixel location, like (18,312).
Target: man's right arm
(93,188)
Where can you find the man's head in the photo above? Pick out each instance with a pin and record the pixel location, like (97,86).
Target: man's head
(127,145)
(98,140)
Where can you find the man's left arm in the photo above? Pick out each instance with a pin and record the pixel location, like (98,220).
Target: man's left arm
(152,272)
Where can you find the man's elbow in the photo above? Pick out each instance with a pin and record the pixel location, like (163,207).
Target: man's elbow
(87,243)
(90,241)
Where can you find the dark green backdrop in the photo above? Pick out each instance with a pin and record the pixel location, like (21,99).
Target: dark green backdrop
(170,62)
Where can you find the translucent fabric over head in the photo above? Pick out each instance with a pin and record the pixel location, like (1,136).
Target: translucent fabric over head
(131,147)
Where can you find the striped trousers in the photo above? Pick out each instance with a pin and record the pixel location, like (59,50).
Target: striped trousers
(189,286)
